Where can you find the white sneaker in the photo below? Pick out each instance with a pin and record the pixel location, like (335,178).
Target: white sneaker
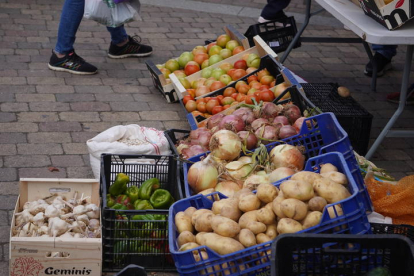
(262,20)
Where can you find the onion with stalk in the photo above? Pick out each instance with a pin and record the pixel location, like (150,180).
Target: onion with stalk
(202,175)
(193,151)
(258,123)
(268,133)
(281,119)
(200,136)
(214,120)
(225,145)
(270,110)
(239,170)
(227,188)
(246,114)
(292,112)
(287,156)
(298,123)
(287,131)
(232,122)
(248,139)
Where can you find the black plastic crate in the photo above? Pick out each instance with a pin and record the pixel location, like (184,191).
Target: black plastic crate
(354,118)
(401,229)
(125,239)
(276,33)
(341,254)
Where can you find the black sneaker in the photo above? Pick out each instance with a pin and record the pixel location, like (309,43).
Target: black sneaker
(383,64)
(133,48)
(71,63)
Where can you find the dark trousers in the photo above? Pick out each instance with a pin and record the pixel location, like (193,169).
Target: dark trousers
(274,9)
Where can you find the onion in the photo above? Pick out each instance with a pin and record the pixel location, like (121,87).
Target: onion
(287,131)
(248,139)
(292,112)
(227,188)
(255,180)
(246,114)
(258,123)
(298,123)
(280,173)
(239,170)
(232,122)
(245,159)
(183,145)
(267,134)
(270,110)
(281,120)
(193,151)
(214,120)
(287,156)
(202,175)
(200,136)
(225,145)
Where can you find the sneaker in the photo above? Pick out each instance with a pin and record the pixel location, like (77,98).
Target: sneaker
(133,48)
(71,63)
(383,64)
(395,97)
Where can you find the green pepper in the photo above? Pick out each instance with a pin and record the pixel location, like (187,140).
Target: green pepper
(148,187)
(119,206)
(142,205)
(120,184)
(132,192)
(110,201)
(161,199)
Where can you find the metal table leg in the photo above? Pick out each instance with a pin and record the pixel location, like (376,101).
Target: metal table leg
(387,132)
(374,66)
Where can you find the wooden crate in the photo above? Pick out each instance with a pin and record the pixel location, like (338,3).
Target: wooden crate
(31,254)
(261,49)
(167,88)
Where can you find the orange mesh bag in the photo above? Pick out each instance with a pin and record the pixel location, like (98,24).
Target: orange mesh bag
(395,201)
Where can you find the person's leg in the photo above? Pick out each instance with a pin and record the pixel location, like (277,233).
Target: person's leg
(273,10)
(118,35)
(123,46)
(382,57)
(388,51)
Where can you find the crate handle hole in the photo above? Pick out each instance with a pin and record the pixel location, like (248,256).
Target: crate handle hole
(57,254)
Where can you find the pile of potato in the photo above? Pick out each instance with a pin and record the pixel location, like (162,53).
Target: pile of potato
(249,219)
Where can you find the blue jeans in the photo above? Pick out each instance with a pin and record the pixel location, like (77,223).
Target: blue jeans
(70,20)
(387,51)
(274,9)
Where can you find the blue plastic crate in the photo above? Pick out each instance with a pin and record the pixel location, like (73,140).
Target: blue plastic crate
(256,260)
(322,136)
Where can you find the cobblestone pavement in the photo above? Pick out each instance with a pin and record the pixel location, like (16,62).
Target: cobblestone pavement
(46,117)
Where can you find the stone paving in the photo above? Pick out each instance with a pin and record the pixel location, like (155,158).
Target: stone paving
(46,117)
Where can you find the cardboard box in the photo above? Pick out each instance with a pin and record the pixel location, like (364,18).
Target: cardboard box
(33,253)
(391,15)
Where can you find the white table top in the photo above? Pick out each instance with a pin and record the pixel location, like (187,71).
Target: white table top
(365,27)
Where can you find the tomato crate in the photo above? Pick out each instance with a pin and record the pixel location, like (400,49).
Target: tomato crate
(126,238)
(256,260)
(276,33)
(319,134)
(333,254)
(353,117)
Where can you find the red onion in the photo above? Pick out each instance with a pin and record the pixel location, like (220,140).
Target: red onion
(214,120)
(248,139)
(292,112)
(232,122)
(287,131)
(200,136)
(287,156)
(258,123)
(270,110)
(298,123)
(281,119)
(193,151)
(246,114)
(225,145)
(267,133)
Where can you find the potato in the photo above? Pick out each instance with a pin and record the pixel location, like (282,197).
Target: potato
(261,238)
(256,227)
(312,219)
(188,246)
(337,177)
(225,226)
(209,191)
(317,203)
(183,222)
(269,206)
(230,209)
(294,208)
(246,218)
(217,205)
(242,192)
(185,237)
(271,231)
(266,216)
(329,190)
(335,211)
(276,207)
(298,189)
(203,222)
(190,211)
(197,213)
(287,225)
(328,167)
(201,238)
(200,256)
(249,203)
(306,176)
(266,192)
(247,238)
(222,245)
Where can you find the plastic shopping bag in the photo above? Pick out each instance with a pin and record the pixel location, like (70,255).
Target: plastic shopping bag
(112,15)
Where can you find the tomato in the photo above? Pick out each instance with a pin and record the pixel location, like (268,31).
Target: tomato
(234,103)
(249,99)
(252,78)
(201,106)
(220,98)
(229,91)
(191,106)
(191,92)
(241,97)
(196,113)
(210,104)
(217,109)
(267,96)
(227,101)
(234,95)
(226,106)
(201,100)
(187,98)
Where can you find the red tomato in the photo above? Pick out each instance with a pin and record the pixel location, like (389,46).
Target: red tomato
(267,96)
(191,92)
(241,97)
(201,106)
(210,104)
(191,106)
(217,109)
(229,91)
(249,98)
(227,101)
(234,95)
(187,98)
(226,106)
(220,97)
(201,100)
(196,113)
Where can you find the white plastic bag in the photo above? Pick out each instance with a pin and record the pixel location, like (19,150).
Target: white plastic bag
(128,139)
(113,16)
